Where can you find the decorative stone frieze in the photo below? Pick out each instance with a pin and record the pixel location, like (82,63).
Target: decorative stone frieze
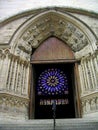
(90,103)
(14,73)
(14,106)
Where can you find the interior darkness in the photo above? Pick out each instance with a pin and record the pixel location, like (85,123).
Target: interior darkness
(62,111)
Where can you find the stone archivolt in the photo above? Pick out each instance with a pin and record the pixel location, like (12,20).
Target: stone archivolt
(63,26)
(52,26)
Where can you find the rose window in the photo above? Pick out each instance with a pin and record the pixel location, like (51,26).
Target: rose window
(52,82)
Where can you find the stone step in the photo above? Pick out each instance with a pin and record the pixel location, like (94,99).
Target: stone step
(61,124)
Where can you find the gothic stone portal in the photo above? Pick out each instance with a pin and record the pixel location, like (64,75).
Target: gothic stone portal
(53,79)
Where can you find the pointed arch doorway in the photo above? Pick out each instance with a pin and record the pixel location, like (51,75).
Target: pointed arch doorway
(54,74)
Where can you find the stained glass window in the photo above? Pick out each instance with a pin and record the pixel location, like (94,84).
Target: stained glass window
(64,101)
(52,82)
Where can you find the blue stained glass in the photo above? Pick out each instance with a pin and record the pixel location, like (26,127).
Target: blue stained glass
(52,82)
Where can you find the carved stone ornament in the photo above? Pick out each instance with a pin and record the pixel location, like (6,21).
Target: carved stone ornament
(90,103)
(13,105)
(51,25)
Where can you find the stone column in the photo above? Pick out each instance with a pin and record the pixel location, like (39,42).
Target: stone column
(1,71)
(5,69)
(90,74)
(26,80)
(9,69)
(22,76)
(7,52)
(81,79)
(19,78)
(87,75)
(1,61)
(14,74)
(11,73)
(84,75)
(96,70)
(97,56)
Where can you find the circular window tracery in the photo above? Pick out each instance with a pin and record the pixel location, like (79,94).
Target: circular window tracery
(52,82)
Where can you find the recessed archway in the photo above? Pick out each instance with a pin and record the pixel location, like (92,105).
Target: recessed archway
(56,56)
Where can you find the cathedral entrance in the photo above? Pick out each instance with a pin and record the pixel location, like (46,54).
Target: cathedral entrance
(54,82)
(54,77)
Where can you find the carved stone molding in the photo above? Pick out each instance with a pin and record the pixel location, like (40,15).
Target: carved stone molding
(52,25)
(90,103)
(14,105)
(14,73)
(7,52)
(89,73)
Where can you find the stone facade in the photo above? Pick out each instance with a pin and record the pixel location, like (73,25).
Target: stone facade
(20,35)
(14,73)
(89,83)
